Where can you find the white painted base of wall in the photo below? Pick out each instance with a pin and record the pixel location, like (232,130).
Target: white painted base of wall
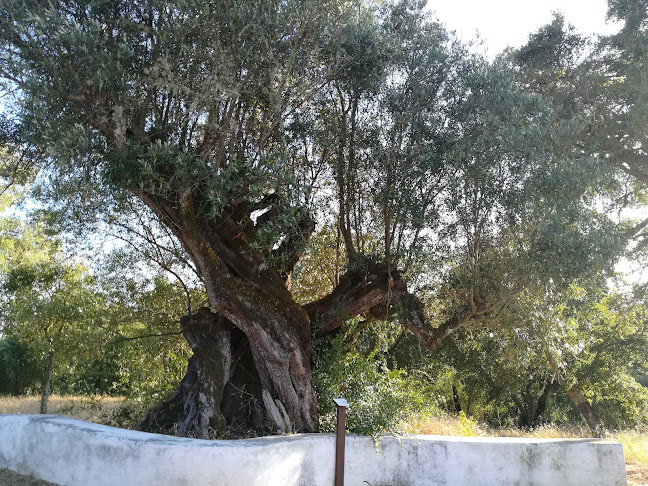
(72,452)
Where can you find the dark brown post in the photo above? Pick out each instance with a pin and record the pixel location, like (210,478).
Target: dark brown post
(339,441)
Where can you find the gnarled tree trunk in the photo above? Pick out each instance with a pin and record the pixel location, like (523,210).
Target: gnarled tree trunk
(251,359)
(578,398)
(253,305)
(194,407)
(234,382)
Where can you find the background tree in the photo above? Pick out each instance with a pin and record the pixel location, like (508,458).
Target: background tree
(113,332)
(584,344)
(601,342)
(145,349)
(620,126)
(46,300)
(19,367)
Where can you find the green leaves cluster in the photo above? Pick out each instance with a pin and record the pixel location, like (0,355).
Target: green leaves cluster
(584,337)
(382,399)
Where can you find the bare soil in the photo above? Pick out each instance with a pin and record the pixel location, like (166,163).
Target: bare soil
(637,474)
(10,478)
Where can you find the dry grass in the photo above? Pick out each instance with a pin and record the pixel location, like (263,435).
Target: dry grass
(635,447)
(637,474)
(89,408)
(462,426)
(635,444)
(438,425)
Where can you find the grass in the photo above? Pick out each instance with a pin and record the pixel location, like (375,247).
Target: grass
(90,408)
(635,447)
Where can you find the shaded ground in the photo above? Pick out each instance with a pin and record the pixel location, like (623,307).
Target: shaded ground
(10,478)
(637,476)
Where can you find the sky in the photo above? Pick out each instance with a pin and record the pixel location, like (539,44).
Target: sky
(504,23)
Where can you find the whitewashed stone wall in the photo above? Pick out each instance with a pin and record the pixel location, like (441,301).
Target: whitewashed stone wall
(76,453)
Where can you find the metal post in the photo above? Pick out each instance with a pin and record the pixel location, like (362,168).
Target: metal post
(339,441)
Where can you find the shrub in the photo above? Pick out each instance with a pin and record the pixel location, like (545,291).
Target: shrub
(381,400)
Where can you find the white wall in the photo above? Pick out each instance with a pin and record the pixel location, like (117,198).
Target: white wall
(72,452)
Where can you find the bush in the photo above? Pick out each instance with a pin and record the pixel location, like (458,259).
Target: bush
(381,400)
(20,371)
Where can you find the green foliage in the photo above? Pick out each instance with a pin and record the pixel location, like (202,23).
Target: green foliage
(585,337)
(114,332)
(15,171)
(142,355)
(149,371)
(603,344)
(381,399)
(468,426)
(20,370)
(145,355)
(48,301)
(320,267)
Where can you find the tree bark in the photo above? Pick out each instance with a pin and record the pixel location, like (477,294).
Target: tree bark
(366,290)
(587,411)
(47,381)
(541,406)
(194,407)
(455,399)
(531,408)
(578,398)
(252,296)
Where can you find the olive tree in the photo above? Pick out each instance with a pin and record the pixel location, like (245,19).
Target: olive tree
(242,125)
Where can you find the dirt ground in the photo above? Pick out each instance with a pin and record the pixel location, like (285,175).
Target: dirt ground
(637,476)
(10,478)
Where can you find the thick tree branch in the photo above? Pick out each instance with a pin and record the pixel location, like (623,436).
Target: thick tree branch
(374,296)
(413,319)
(356,294)
(637,229)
